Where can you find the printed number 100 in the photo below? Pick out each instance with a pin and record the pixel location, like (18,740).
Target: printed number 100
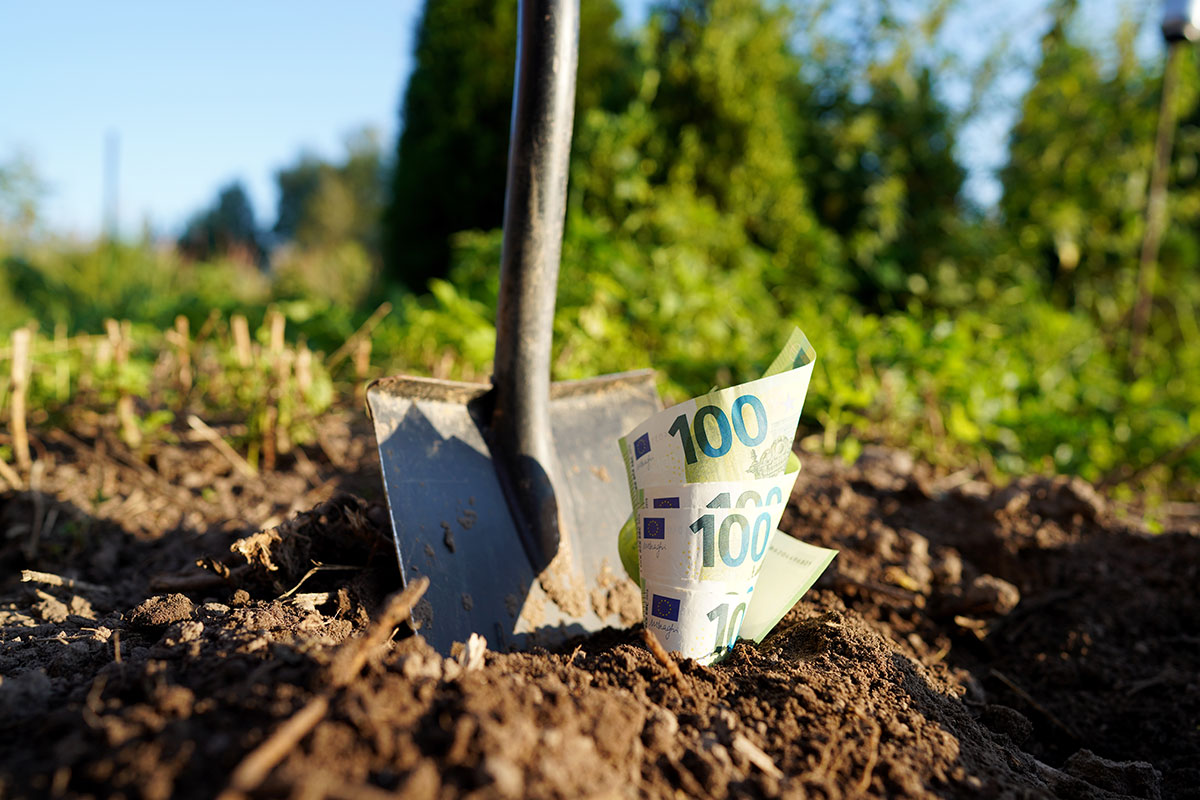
(728,625)
(724,440)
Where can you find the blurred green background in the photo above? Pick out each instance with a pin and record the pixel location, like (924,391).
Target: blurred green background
(739,167)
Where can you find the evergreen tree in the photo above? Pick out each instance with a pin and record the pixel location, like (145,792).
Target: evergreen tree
(452,153)
(728,126)
(226,229)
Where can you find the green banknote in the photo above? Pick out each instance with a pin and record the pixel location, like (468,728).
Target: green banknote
(741,433)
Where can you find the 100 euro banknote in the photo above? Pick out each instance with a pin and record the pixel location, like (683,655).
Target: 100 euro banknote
(741,433)
(704,545)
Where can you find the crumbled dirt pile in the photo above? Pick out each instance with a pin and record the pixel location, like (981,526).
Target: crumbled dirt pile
(969,641)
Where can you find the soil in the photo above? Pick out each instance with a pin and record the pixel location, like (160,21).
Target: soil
(969,640)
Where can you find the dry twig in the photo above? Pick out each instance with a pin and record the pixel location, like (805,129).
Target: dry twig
(212,437)
(1028,698)
(50,579)
(864,782)
(316,567)
(755,755)
(350,345)
(667,660)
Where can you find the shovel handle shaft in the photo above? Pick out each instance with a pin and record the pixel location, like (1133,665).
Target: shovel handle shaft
(534,211)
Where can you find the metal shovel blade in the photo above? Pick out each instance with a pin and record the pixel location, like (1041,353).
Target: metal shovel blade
(453,524)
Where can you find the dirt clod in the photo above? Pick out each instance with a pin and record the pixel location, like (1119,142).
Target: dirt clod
(161,610)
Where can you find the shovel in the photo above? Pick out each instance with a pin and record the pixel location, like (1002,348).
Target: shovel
(509,497)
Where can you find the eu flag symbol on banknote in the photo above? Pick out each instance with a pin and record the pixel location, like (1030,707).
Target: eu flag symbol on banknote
(641,445)
(666,502)
(654,528)
(665,608)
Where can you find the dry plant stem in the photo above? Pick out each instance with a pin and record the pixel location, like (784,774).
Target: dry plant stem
(39,509)
(304,370)
(1028,698)
(256,766)
(10,476)
(362,365)
(755,755)
(183,353)
(276,322)
(313,571)
(212,437)
(50,579)
(349,660)
(364,330)
(241,339)
(119,337)
(270,438)
(20,383)
(667,661)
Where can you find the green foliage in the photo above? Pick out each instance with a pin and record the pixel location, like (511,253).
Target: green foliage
(81,286)
(452,154)
(722,115)
(342,273)
(1018,385)
(1079,166)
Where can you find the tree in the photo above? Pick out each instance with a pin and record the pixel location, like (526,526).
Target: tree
(226,229)
(452,152)
(21,191)
(881,169)
(730,112)
(1079,164)
(726,120)
(323,204)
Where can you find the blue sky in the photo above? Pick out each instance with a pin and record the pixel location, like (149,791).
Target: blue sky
(200,94)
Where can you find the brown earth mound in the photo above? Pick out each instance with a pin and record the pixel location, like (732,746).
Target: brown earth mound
(969,641)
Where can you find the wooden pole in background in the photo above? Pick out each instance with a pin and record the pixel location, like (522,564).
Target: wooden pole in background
(1156,207)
